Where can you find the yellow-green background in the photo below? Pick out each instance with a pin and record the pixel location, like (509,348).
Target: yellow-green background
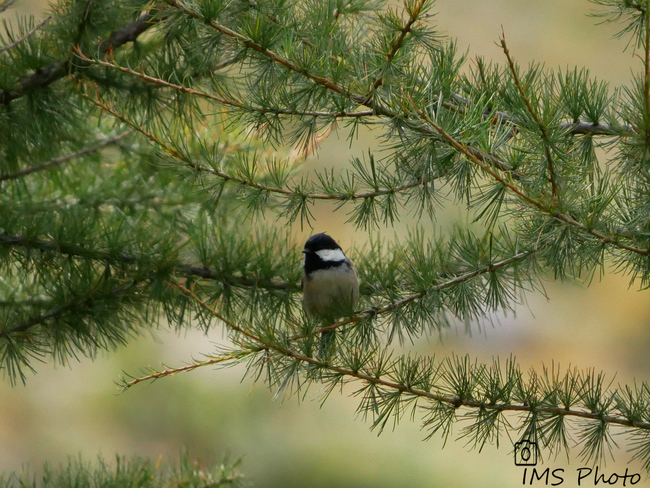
(65,411)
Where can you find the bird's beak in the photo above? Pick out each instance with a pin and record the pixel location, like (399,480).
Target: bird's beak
(304,251)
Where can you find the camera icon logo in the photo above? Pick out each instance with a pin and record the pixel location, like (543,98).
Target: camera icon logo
(525,453)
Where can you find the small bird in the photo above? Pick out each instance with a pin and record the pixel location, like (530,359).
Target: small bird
(330,285)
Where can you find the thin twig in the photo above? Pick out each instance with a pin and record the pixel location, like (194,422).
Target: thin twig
(533,112)
(154,375)
(5,5)
(26,36)
(64,159)
(413,17)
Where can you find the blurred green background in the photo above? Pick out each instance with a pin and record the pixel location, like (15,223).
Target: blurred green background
(65,411)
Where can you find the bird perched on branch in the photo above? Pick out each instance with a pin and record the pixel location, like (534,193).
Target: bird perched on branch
(330,284)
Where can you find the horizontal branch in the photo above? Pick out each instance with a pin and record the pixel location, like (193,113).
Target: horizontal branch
(80,251)
(573,127)
(69,249)
(183,269)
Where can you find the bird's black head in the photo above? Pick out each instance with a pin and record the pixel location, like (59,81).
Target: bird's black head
(318,242)
(322,252)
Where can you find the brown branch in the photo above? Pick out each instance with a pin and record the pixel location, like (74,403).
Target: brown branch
(154,375)
(45,76)
(5,5)
(224,101)
(533,112)
(248,183)
(371,312)
(375,378)
(414,13)
(64,159)
(26,36)
(606,239)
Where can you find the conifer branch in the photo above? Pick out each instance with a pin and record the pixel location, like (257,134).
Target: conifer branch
(69,249)
(183,269)
(6,4)
(414,14)
(256,47)
(154,375)
(48,75)
(222,100)
(461,278)
(533,113)
(78,303)
(388,376)
(26,36)
(377,108)
(575,128)
(81,251)
(283,191)
(527,199)
(68,157)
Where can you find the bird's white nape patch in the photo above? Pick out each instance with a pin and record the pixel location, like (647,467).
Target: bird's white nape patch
(331,255)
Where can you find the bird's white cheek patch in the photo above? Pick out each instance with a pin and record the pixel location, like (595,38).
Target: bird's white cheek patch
(331,255)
